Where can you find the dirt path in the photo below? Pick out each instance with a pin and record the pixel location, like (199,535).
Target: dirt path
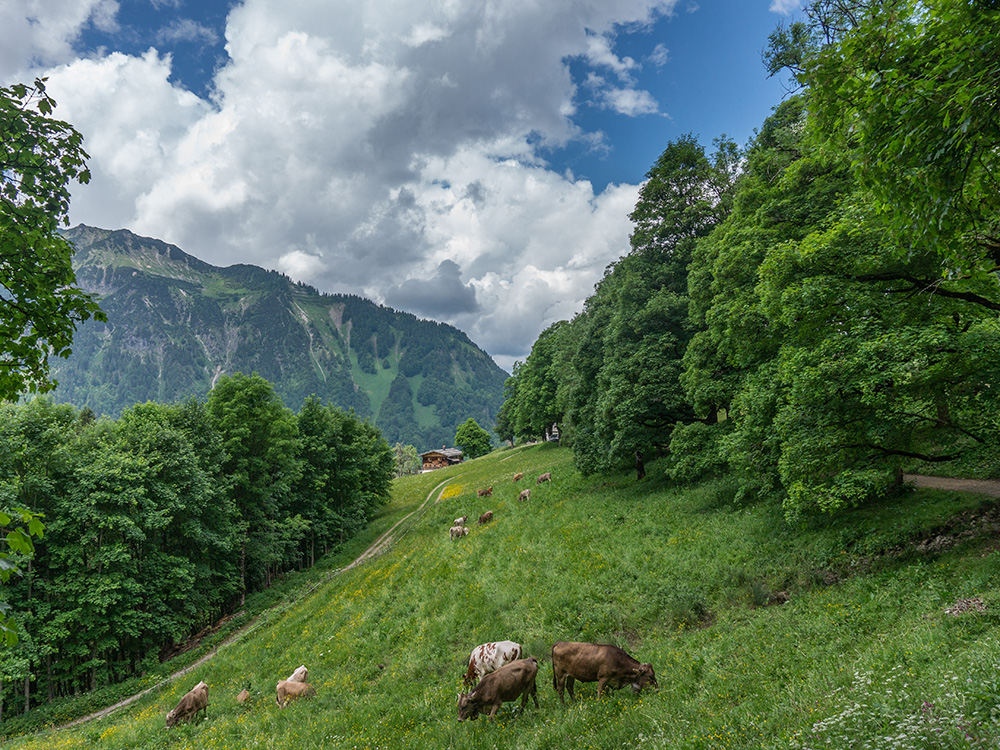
(378,547)
(989,487)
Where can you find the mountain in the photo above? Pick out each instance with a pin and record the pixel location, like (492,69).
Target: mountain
(176,324)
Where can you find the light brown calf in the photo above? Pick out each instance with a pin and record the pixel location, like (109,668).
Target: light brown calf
(288,691)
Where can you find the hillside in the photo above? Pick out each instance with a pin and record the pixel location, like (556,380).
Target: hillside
(866,627)
(175,324)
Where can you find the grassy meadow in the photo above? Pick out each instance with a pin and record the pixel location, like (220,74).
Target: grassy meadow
(761,635)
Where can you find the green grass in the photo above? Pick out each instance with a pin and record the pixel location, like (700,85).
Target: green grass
(424,416)
(679,576)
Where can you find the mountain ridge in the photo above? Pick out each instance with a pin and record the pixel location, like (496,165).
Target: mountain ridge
(177,323)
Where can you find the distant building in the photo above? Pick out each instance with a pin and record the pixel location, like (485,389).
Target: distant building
(440,458)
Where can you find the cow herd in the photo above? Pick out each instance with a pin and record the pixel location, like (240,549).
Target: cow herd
(505,676)
(497,672)
(196,699)
(459,529)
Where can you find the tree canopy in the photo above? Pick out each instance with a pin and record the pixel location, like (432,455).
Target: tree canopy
(817,314)
(160,522)
(473,439)
(39,306)
(908,90)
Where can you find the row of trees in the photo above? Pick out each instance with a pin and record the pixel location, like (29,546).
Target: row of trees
(159,522)
(818,310)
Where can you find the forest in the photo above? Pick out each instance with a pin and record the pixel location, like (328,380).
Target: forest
(817,312)
(160,522)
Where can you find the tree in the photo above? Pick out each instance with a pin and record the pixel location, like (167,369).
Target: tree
(783,194)
(406,458)
(538,405)
(507,414)
(261,444)
(39,306)
(908,89)
(637,325)
(473,439)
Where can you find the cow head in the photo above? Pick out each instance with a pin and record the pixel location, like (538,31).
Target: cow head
(468,707)
(643,676)
(171,718)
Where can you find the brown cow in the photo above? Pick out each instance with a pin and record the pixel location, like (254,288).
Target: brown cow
(291,690)
(511,681)
(525,495)
(519,476)
(609,665)
(486,517)
(488,492)
(458,532)
(460,521)
(546,477)
(194,701)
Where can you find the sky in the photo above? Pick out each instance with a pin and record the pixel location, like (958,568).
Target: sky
(470,161)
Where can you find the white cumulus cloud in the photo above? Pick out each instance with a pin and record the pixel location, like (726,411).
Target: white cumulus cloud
(389,148)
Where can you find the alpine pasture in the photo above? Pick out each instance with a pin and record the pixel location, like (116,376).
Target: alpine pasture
(832,633)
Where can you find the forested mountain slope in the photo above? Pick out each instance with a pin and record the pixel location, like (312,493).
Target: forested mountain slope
(878,627)
(175,324)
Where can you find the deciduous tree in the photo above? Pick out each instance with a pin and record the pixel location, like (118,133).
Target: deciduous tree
(473,439)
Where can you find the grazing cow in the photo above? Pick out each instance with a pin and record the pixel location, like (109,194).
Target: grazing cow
(514,680)
(243,697)
(489,658)
(458,531)
(610,666)
(488,492)
(299,675)
(519,476)
(525,495)
(288,691)
(546,477)
(486,517)
(460,521)
(194,701)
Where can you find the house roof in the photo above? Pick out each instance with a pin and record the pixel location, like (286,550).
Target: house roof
(446,452)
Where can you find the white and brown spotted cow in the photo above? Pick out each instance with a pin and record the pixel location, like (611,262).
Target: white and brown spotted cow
(489,657)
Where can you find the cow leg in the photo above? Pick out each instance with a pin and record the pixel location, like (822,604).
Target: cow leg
(569,686)
(558,684)
(494,709)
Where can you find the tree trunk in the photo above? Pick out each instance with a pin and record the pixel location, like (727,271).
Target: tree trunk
(243,571)
(93,670)
(27,693)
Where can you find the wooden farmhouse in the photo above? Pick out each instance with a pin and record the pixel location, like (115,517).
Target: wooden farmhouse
(440,458)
